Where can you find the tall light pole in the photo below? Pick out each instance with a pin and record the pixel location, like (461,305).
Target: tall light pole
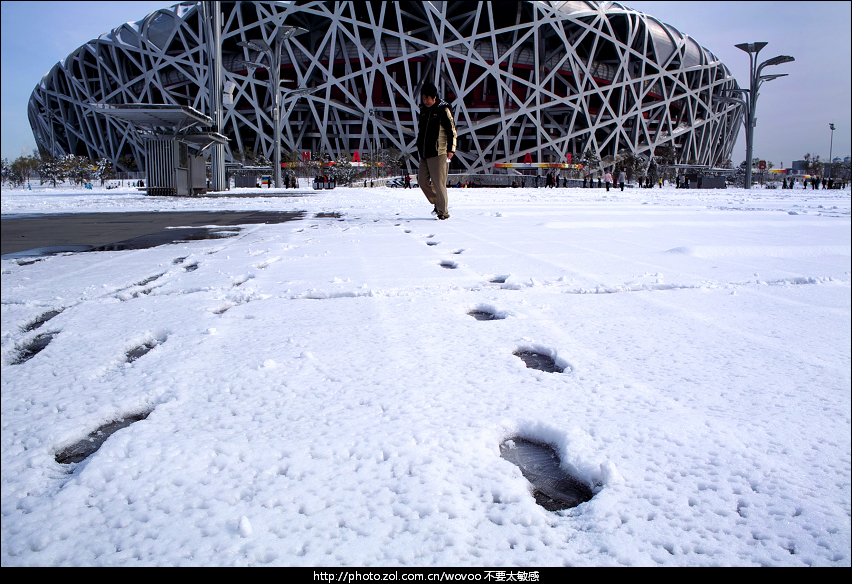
(273,66)
(372,156)
(212,12)
(830,149)
(750,95)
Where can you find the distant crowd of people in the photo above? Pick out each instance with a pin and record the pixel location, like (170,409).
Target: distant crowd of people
(324,182)
(551,180)
(815,182)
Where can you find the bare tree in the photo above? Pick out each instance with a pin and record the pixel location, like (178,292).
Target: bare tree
(19,171)
(813,165)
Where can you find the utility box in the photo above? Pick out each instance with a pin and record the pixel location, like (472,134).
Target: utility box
(712,182)
(243,181)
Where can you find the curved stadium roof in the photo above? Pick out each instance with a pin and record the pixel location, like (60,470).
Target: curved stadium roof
(547,79)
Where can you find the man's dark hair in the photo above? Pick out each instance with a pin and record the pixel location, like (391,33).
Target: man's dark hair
(429,90)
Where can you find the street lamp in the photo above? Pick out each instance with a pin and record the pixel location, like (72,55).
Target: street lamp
(830,149)
(372,117)
(749,100)
(273,66)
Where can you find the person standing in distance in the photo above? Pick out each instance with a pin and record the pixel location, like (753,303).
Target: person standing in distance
(436,144)
(622,178)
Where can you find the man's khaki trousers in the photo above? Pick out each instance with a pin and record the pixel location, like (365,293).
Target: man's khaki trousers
(432,178)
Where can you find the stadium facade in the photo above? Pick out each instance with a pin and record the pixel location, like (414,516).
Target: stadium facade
(528,81)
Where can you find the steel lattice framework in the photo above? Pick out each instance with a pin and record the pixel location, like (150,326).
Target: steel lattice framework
(547,79)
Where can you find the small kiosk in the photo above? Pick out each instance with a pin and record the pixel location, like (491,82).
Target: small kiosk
(174,143)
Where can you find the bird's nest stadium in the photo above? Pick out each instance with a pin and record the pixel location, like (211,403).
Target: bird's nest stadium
(550,80)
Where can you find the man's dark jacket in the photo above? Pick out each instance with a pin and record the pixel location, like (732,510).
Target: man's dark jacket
(432,121)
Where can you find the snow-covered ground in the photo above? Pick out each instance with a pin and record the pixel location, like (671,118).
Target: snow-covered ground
(318,394)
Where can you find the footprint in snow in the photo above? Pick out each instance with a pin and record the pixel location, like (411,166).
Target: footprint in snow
(151,279)
(83,449)
(485,313)
(41,320)
(553,488)
(539,361)
(145,348)
(35,346)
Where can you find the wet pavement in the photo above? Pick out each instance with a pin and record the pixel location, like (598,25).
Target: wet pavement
(30,235)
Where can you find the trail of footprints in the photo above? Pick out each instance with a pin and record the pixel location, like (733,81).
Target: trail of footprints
(31,347)
(27,350)
(552,487)
(533,359)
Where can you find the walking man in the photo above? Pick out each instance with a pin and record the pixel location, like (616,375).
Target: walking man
(622,177)
(607,180)
(436,144)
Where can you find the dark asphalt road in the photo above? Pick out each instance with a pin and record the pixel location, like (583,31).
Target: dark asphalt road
(103,229)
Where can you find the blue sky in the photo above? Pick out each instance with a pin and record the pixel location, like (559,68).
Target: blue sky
(793,112)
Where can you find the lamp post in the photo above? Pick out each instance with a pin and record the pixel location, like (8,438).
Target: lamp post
(371,114)
(750,95)
(212,13)
(830,149)
(273,66)
(300,92)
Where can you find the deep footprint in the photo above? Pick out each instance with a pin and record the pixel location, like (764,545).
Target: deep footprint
(449,265)
(142,350)
(538,361)
(554,489)
(147,281)
(90,444)
(33,348)
(41,320)
(482,314)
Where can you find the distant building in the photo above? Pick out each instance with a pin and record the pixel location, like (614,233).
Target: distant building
(798,169)
(526,80)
